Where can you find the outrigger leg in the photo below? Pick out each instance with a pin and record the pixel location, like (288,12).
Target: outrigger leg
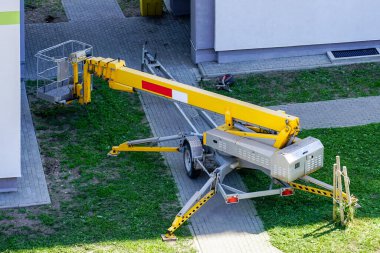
(208,190)
(191,207)
(130,146)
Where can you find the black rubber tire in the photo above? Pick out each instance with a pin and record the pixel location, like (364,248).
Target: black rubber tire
(188,162)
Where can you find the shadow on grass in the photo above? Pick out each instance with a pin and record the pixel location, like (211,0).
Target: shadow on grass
(321,231)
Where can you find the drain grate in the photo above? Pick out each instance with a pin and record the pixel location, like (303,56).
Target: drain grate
(355,53)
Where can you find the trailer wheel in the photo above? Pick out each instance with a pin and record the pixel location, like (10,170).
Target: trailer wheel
(188,161)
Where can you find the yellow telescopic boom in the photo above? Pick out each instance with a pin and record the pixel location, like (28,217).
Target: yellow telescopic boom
(126,79)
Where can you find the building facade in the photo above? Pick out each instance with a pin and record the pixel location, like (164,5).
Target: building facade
(228,31)
(10,102)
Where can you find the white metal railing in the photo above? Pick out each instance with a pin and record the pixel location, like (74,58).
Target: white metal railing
(54,75)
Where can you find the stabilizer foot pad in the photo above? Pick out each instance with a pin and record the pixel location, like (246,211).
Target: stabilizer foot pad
(168,239)
(113,154)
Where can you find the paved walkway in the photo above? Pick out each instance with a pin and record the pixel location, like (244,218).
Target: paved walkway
(335,113)
(89,10)
(213,69)
(32,188)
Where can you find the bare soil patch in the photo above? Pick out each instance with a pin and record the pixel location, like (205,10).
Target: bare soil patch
(44,11)
(130,8)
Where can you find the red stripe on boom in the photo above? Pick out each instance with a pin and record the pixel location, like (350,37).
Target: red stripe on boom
(157,88)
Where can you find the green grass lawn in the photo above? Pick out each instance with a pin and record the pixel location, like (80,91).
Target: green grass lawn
(275,88)
(99,203)
(302,223)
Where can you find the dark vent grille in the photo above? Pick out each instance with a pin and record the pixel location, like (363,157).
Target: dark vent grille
(355,53)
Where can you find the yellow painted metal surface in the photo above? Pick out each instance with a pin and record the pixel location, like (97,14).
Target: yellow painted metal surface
(75,72)
(126,148)
(198,97)
(87,86)
(151,7)
(253,135)
(127,79)
(121,87)
(316,191)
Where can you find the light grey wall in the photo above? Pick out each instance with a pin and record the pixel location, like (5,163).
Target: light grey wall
(203,30)
(10,106)
(286,23)
(202,23)
(263,29)
(180,7)
(279,52)
(22,36)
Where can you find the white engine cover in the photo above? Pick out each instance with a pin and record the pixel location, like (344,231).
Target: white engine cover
(288,164)
(297,160)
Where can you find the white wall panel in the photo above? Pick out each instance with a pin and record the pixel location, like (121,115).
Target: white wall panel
(9,5)
(251,24)
(10,90)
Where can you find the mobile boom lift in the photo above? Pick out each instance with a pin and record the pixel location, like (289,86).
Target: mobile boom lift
(251,137)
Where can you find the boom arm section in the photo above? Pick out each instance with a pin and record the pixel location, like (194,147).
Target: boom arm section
(126,79)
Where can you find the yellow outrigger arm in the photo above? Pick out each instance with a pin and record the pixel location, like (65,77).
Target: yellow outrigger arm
(130,146)
(326,192)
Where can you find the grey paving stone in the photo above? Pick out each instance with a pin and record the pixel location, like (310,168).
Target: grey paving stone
(213,69)
(335,113)
(88,10)
(32,187)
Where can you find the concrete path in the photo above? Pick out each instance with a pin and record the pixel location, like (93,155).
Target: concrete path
(335,113)
(213,69)
(32,188)
(88,10)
